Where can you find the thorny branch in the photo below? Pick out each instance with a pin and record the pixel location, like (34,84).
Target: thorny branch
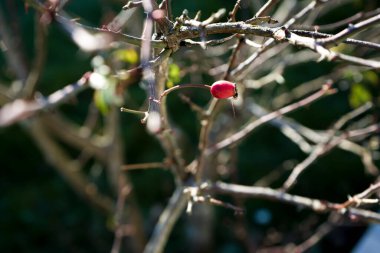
(160,40)
(316,205)
(242,133)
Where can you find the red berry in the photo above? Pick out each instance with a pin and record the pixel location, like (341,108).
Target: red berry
(223,89)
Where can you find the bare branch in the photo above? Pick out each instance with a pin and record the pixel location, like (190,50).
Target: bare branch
(310,43)
(324,146)
(232,14)
(132,4)
(143,166)
(346,41)
(73,28)
(241,134)
(182,86)
(320,206)
(266,8)
(68,168)
(21,109)
(168,218)
(349,20)
(244,66)
(349,31)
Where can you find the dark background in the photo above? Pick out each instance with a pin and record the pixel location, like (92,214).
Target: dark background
(39,212)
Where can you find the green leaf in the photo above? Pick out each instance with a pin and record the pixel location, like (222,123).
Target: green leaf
(108,96)
(100,102)
(359,95)
(126,55)
(371,77)
(174,75)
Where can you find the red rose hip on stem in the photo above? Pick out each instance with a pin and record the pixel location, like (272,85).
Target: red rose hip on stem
(223,89)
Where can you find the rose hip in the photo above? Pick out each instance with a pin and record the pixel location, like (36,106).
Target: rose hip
(223,89)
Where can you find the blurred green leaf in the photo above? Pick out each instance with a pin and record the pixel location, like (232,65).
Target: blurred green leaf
(371,77)
(359,95)
(174,75)
(126,55)
(107,96)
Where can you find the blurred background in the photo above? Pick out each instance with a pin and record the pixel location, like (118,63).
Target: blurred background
(41,212)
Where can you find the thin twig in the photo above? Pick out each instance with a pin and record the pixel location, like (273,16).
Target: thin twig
(319,206)
(324,229)
(217,202)
(132,4)
(232,14)
(349,20)
(349,31)
(294,39)
(316,35)
(143,166)
(70,133)
(193,106)
(241,134)
(13,53)
(244,66)
(266,8)
(358,198)
(168,218)
(38,63)
(324,146)
(21,109)
(68,169)
(183,86)
(215,42)
(116,35)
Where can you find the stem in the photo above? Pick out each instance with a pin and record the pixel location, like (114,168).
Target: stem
(240,135)
(169,216)
(183,86)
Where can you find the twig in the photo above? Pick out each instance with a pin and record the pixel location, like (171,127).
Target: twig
(13,53)
(360,197)
(324,53)
(21,109)
(324,229)
(69,25)
(193,106)
(120,227)
(143,166)
(346,41)
(324,146)
(143,113)
(214,17)
(183,86)
(70,134)
(216,202)
(241,134)
(349,20)
(38,63)
(319,206)
(168,218)
(258,20)
(215,42)
(232,59)
(244,66)
(316,137)
(166,137)
(132,4)
(120,181)
(232,14)
(68,169)
(120,20)
(352,29)
(266,8)
(287,130)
